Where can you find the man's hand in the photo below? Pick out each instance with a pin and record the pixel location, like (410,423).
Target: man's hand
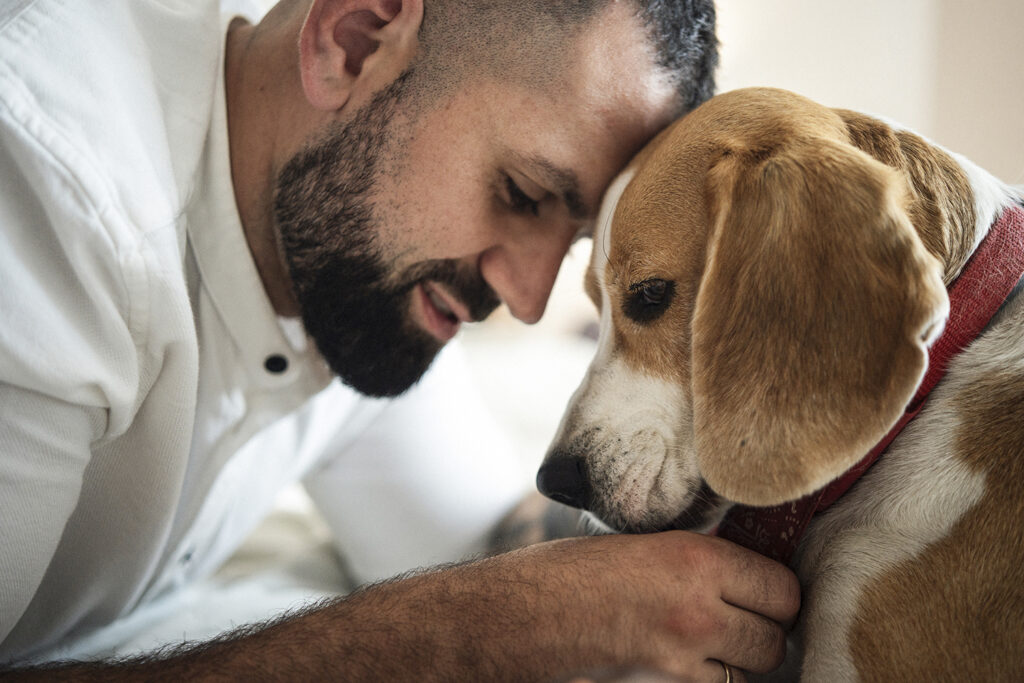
(674,601)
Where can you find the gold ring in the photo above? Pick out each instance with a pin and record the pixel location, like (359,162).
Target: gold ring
(728,672)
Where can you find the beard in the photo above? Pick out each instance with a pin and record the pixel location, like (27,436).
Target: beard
(354,305)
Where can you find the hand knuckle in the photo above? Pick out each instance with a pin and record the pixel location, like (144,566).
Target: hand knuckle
(696,555)
(694,624)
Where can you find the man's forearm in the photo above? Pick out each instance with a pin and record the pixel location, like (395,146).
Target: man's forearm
(675,601)
(455,622)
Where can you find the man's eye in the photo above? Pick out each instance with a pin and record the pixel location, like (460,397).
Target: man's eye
(519,200)
(647,300)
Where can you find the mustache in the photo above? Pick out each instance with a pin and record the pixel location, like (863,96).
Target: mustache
(464,281)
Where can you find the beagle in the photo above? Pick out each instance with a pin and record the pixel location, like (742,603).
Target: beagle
(774,280)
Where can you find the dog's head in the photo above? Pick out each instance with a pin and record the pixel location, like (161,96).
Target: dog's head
(766,307)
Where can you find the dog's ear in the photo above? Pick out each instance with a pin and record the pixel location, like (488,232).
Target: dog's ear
(812,320)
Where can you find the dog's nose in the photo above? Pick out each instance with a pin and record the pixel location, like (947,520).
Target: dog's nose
(563,478)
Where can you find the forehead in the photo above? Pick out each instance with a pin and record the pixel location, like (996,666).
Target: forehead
(612,87)
(606,100)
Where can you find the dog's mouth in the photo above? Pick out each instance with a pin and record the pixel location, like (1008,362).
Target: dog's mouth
(703,514)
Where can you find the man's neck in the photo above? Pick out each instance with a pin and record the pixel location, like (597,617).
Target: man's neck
(257,73)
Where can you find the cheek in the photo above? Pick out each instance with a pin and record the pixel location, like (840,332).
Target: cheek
(434,198)
(642,366)
(624,401)
(426,218)
(660,350)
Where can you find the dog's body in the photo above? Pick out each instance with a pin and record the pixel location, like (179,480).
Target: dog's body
(770,274)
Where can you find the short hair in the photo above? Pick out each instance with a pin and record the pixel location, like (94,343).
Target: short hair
(521,39)
(683,35)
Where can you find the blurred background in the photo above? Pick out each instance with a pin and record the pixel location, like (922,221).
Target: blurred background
(949,69)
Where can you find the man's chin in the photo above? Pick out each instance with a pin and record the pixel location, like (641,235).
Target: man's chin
(391,371)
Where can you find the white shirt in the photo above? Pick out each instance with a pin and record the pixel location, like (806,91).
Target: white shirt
(141,434)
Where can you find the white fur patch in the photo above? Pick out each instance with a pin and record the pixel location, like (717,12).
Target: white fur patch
(908,501)
(991,196)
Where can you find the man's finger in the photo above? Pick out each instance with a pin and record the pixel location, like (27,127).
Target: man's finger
(760,585)
(753,642)
(714,671)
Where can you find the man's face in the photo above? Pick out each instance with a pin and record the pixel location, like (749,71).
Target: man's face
(397,230)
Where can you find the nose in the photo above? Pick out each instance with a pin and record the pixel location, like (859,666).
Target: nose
(563,478)
(523,273)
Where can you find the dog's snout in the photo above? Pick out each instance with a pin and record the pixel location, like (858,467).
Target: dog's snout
(563,478)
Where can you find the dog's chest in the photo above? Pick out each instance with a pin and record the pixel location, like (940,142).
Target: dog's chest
(890,545)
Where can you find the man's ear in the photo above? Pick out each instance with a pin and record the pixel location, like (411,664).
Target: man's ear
(348,44)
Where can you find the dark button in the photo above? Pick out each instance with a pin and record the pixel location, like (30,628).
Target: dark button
(276,364)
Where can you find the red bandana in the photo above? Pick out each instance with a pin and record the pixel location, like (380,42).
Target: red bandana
(975,296)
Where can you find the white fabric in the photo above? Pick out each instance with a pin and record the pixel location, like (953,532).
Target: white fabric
(141,437)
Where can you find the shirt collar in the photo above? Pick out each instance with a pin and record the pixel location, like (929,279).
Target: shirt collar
(227,268)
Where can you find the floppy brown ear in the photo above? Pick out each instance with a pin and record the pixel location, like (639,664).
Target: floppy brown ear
(812,319)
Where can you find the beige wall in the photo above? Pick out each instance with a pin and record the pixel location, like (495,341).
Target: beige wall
(979,96)
(952,70)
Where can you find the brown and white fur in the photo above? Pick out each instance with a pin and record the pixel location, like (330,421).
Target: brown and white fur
(808,251)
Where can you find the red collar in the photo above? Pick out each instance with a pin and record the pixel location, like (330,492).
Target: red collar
(975,296)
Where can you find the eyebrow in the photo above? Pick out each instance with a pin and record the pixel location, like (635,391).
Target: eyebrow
(566,185)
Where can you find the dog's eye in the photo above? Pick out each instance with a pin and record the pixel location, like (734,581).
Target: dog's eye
(652,292)
(647,300)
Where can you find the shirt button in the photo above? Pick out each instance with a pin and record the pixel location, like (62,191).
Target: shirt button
(276,364)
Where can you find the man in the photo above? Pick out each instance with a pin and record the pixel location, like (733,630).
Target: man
(175,201)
